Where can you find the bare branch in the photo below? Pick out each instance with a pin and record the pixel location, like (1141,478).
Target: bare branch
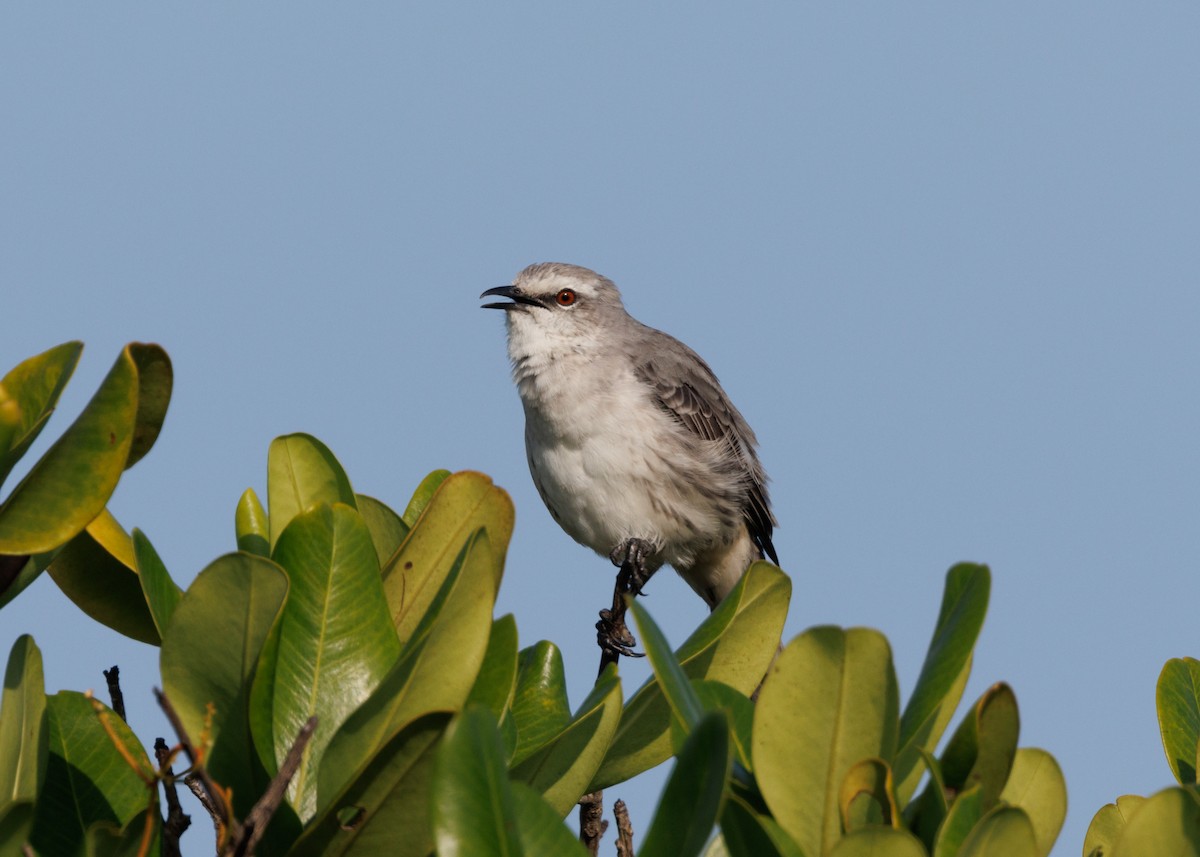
(260,816)
(177,820)
(624,830)
(113,677)
(591,821)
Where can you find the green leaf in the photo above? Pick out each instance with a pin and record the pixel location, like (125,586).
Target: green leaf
(964,813)
(739,711)
(160,591)
(463,503)
(29,393)
(98,571)
(208,658)
(735,644)
(105,839)
(691,800)
(561,768)
(23,731)
(435,671)
(1108,824)
(496,683)
(87,778)
(539,708)
(944,673)
(386,809)
(302,472)
(154,381)
(72,482)
(335,642)
(1167,823)
(16,823)
(866,796)
(421,497)
(878,842)
(1004,832)
(748,833)
(830,700)
(16,573)
(540,826)
(251,525)
(1178,698)
(388,529)
(1036,785)
(984,745)
(474,809)
(682,701)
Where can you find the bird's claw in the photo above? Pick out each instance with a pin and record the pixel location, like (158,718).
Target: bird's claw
(630,556)
(614,636)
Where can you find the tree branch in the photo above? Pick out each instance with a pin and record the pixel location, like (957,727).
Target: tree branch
(177,820)
(113,677)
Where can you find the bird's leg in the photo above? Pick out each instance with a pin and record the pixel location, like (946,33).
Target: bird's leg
(612,634)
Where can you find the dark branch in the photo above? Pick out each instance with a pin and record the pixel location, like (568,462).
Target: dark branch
(260,816)
(113,677)
(177,821)
(591,821)
(624,830)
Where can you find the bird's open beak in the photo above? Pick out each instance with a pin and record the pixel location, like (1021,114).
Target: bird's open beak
(513,294)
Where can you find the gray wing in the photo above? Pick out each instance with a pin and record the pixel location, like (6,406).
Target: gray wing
(687,389)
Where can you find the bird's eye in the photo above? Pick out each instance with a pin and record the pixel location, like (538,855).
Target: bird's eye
(565,298)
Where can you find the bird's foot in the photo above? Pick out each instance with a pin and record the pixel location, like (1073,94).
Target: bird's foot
(630,556)
(614,637)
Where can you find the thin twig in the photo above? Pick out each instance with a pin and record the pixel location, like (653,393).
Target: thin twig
(218,801)
(177,820)
(113,677)
(196,788)
(260,816)
(624,830)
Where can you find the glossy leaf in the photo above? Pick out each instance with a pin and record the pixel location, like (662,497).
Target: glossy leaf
(473,805)
(422,496)
(739,711)
(141,836)
(88,779)
(830,700)
(16,825)
(735,644)
(16,573)
(984,745)
(867,796)
(31,390)
(160,591)
(1036,785)
(435,671)
(1004,832)
(961,818)
(1178,699)
(209,655)
(682,701)
(878,842)
(462,504)
(388,529)
(72,482)
(97,571)
(691,799)
(386,809)
(748,833)
(23,731)
(335,641)
(539,709)
(1109,824)
(561,769)
(496,683)
(302,472)
(155,379)
(1167,823)
(944,674)
(540,827)
(251,525)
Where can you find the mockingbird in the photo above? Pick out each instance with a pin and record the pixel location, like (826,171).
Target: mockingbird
(634,447)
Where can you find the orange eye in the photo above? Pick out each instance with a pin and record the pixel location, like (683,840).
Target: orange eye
(565,298)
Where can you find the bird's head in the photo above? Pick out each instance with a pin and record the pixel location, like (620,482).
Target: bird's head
(552,304)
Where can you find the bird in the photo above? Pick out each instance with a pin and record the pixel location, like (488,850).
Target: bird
(634,447)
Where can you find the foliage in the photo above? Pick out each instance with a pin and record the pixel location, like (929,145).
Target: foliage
(435,729)
(1169,821)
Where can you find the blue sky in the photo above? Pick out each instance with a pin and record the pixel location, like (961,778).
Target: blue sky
(944,258)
